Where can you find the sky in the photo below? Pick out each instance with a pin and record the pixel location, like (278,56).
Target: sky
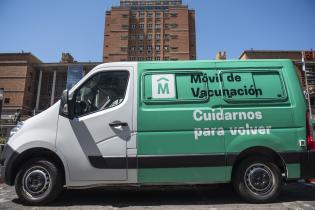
(47,28)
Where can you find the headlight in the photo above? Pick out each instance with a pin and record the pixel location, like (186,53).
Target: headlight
(16,129)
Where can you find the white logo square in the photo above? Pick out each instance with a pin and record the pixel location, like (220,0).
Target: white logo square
(163,86)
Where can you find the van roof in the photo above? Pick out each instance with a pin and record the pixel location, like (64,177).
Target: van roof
(134,63)
(198,61)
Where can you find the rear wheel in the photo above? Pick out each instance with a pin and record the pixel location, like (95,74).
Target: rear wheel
(258,180)
(38,182)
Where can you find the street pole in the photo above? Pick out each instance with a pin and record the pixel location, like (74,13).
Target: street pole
(306,84)
(1,100)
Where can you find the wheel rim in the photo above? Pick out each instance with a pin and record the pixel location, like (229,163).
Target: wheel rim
(36,182)
(259,179)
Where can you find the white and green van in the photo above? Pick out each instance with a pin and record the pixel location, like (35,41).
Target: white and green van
(168,123)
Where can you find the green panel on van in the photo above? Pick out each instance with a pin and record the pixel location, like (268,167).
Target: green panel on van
(211,109)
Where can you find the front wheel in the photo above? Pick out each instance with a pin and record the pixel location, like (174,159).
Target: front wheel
(258,180)
(38,182)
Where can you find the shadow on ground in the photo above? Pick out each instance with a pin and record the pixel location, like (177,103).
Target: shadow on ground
(180,195)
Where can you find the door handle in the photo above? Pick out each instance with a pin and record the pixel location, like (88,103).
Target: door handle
(117,123)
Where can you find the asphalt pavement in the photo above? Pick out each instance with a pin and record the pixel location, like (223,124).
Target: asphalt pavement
(294,196)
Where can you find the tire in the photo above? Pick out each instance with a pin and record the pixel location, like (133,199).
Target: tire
(38,182)
(258,180)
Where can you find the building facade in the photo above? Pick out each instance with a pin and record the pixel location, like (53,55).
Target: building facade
(31,85)
(18,78)
(149,30)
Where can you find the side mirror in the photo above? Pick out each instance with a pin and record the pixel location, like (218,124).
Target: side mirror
(66,105)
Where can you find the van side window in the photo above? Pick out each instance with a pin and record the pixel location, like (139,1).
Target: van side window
(102,91)
(173,87)
(270,85)
(235,84)
(258,85)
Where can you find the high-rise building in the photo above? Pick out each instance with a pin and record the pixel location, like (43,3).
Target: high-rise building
(149,30)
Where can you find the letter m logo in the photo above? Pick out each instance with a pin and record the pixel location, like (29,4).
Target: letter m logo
(163,86)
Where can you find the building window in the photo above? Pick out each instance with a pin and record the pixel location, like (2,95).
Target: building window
(174,48)
(149,36)
(166,26)
(174,36)
(174,59)
(157,36)
(174,14)
(134,16)
(149,58)
(166,58)
(141,15)
(157,47)
(124,37)
(141,37)
(141,26)
(174,25)
(166,47)
(141,59)
(125,15)
(124,26)
(157,15)
(132,58)
(133,48)
(140,48)
(124,49)
(149,15)
(133,26)
(158,26)
(166,37)
(149,48)
(157,58)
(7,100)
(149,26)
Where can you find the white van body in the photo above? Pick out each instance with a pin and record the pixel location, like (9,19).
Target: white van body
(86,136)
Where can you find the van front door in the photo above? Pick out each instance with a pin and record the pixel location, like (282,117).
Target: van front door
(94,143)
